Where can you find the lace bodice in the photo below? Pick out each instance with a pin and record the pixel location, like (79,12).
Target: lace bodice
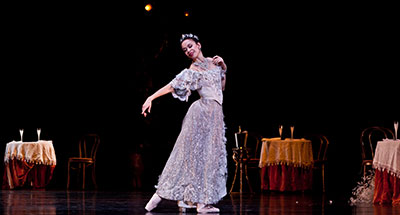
(208,84)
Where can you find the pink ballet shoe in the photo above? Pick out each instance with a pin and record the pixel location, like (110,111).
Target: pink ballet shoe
(155,199)
(183,206)
(201,208)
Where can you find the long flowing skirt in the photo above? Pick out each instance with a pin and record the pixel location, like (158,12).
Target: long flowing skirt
(196,169)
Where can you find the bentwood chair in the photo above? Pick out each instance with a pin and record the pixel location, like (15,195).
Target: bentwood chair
(88,145)
(320,145)
(253,147)
(368,139)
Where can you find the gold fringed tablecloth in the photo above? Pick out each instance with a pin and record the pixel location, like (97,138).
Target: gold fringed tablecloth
(286,165)
(294,152)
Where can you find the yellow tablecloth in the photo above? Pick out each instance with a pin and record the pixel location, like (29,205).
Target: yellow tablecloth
(286,165)
(295,152)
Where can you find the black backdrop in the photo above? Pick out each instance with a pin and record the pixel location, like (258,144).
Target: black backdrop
(77,68)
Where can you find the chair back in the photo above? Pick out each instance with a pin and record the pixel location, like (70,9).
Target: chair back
(320,145)
(88,145)
(253,144)
(369,138)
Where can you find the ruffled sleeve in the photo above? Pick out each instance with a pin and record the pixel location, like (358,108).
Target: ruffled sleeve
(223,73)
(223,78)
(184,83)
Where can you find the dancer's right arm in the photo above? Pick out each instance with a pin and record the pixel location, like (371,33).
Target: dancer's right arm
(147,104)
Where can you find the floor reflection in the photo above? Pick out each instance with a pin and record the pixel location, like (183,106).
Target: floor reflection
(32,202)
(276,203)
(81,202)
(366,208)
(117,202)
(300,203)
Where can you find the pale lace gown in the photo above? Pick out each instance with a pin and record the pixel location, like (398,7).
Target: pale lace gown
(196,169)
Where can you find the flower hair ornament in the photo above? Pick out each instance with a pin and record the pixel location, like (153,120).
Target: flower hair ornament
(189,36)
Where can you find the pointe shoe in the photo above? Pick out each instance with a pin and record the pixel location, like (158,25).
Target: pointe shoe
(207,209)
(183,206)
(155,199)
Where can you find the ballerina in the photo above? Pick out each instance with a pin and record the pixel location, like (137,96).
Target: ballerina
(196,171)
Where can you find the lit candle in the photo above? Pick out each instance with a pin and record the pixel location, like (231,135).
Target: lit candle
(21,132)
(38,133)
(291,131)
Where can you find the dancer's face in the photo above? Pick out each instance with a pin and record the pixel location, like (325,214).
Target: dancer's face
(191,48)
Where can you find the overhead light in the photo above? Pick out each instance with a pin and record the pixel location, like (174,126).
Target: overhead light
(148,7)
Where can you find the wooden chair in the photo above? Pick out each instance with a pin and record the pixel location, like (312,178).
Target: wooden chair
(88,145)
(320,145)
(368,140)
(253,147)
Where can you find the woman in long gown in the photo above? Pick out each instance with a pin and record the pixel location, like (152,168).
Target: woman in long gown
(196,170)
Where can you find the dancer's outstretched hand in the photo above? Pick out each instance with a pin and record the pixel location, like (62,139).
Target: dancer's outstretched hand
(146,106)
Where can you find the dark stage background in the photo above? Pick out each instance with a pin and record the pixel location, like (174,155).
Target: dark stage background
(77,68)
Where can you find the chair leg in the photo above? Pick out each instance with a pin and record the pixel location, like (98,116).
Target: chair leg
(94,175)
(68,178)
(247,178)
(323,178)
(83,178)
(365,169)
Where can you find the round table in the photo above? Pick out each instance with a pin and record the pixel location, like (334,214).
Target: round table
(387,172)
(28,164)
(286,165)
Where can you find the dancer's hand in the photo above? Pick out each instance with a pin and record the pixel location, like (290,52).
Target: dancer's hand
(217,60)
(146,106)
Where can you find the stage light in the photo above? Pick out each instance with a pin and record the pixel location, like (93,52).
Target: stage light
(148,7)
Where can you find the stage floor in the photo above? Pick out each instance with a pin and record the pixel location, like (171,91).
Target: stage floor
(133,202)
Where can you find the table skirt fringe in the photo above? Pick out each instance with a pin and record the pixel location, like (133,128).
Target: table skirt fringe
(48,162)
(287,164)
(389,170)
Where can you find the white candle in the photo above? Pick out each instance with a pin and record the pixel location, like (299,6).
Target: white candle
(236,140)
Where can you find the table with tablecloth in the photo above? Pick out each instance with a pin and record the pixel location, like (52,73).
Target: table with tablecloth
(387,172)
(286,165)
(28,164)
